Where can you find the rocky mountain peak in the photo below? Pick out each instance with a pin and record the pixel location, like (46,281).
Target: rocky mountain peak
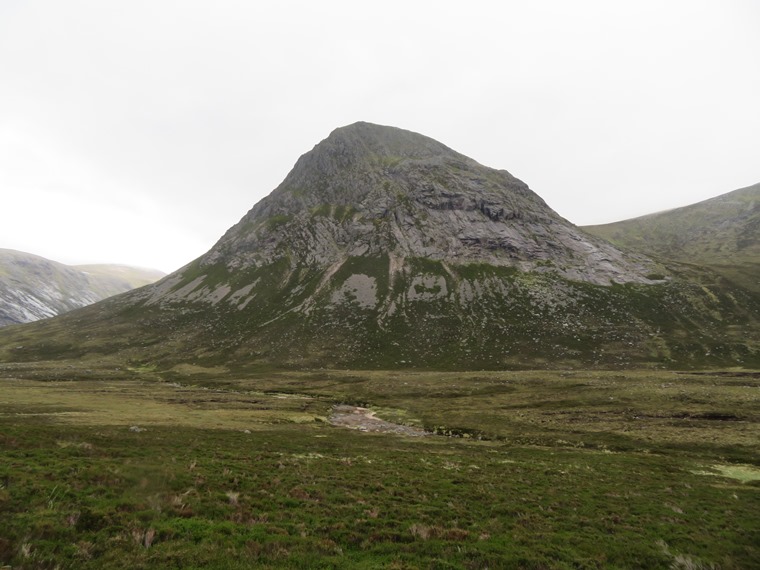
(370,190)
(385,249)
(380,141)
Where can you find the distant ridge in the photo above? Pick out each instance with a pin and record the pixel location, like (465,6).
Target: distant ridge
(722,233)
(721,230)
(33,288)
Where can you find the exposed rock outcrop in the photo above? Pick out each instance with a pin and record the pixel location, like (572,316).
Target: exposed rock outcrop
(369,190)
(33,288)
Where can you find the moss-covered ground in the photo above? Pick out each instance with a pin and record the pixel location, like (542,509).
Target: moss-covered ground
(207,468)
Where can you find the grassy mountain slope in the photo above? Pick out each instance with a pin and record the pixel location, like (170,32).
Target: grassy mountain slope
(722,230)
(723,233)
(430,315)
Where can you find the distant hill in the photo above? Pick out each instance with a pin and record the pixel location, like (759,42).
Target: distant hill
(33,288)
(722,232)
(133,276)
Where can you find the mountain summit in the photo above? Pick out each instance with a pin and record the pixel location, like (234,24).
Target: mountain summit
(370,190)
(383,248)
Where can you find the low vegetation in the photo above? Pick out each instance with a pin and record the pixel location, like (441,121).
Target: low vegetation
(211,468)
(285,315)
(721,231)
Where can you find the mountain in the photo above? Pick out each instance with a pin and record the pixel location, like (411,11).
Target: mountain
(383,248)
(722,232)
(725,229)
(32,287)
(368,191)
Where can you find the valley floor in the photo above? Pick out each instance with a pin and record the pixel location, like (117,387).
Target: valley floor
(103,467)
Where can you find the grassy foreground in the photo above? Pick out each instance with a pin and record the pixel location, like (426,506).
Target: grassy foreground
(200,468)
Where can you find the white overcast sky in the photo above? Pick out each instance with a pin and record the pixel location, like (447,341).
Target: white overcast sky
(139,131)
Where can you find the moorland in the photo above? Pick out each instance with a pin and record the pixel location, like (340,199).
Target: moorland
(210,468)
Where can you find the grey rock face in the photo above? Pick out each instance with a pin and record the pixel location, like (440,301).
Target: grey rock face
(368,190)
(33,288)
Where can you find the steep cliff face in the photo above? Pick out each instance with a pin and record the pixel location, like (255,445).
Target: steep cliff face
(369,190)
(383,248)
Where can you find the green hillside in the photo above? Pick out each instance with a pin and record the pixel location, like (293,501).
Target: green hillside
(722,230)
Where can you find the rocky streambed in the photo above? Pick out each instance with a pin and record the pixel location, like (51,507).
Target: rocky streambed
(363,419)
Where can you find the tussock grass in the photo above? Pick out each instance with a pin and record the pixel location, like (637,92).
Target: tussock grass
(561,477)
(128,402)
